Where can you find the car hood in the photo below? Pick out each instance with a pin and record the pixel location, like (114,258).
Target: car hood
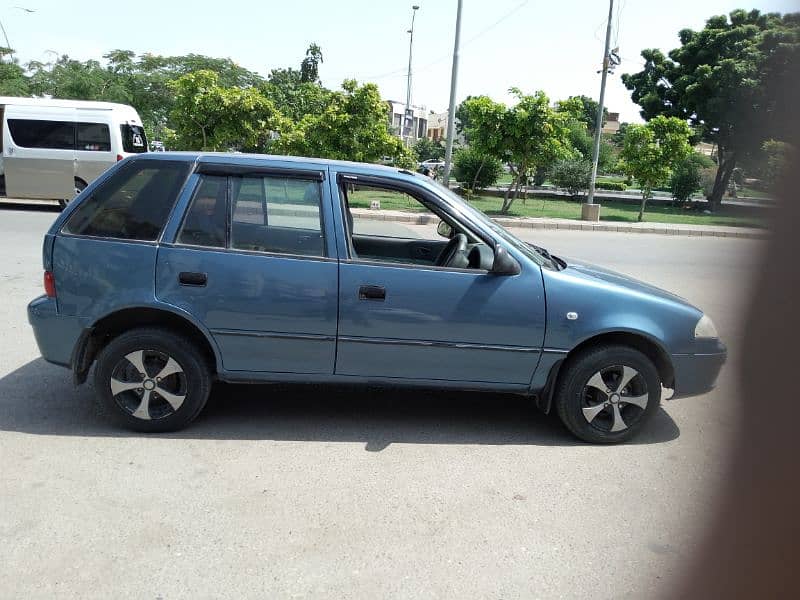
(589,270)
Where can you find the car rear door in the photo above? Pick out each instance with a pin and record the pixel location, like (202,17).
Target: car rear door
(254,261)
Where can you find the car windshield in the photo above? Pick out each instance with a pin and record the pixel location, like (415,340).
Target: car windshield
(540,256)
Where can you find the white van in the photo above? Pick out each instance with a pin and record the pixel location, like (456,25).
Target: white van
(52,149)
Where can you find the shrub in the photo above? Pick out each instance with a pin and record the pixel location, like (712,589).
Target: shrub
(572,174)
(685,179)
(474,170)
(707,178)
(615,186)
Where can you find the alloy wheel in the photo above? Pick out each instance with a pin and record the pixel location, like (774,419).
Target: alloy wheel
(148,384)
(614,398)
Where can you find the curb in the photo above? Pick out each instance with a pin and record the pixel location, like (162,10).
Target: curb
(556,224)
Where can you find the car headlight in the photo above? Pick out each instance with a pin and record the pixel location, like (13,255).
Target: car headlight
(705,328)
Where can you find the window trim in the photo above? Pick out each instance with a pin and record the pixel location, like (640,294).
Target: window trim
(343,177)
(229,217)
(108,177)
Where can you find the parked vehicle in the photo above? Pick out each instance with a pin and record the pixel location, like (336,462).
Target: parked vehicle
(52,149)
(173,270)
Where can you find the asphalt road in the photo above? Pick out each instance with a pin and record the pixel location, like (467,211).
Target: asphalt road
(345,493)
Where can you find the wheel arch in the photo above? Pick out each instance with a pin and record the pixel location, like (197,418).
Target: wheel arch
(95,337)
(645,344)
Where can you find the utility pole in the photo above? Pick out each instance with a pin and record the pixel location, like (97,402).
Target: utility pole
(451,113)
(408,117)
(591,211)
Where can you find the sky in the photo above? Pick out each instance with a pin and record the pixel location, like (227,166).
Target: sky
(552,46)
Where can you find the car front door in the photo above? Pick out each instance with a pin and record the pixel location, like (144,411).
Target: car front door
(417,321)
(251,261)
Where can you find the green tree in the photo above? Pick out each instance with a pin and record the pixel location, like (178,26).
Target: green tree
(309,68)
(587,113)
(572,174)
(686,176)
(725,79)
(208,116)
(475,170)
(427,149)
(527,135)
(353,126)
(13,81)
(652,150)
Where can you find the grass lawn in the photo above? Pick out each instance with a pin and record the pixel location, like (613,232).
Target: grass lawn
(562,209)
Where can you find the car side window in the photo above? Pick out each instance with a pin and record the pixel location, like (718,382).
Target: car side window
(277,215)
(205,221)
(133,204)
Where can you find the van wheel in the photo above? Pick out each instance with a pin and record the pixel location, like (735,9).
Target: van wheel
(80,185)
(607,394)
(152,380)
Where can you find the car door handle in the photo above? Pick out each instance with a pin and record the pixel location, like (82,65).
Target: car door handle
(197,279)
(371,292)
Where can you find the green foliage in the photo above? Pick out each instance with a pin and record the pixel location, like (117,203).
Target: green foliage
(212,117)
(652,150)
(527,135)
(12,77)
(583,142)
(614,186)
(777,155)
(572,174)
(587,112)
(685,178)
(427,149)
(728,80)
(309,68)
(475,170)
(353,126)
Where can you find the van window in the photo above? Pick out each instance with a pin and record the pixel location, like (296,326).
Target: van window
(133,138)
(93,136)
(30,133)
(134,204)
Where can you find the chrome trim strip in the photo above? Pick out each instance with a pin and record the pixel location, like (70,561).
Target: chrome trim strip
(554,351)
(275,334)
(436,344)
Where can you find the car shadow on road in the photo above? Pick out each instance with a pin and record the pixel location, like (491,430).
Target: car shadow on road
(30,206)
(40,399)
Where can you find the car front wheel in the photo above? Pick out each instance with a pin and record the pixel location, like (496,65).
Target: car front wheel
(606,394)
(152,380)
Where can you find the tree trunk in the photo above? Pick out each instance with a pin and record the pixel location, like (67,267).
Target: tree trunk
(477,174)
(508,200)
(645,196)
(727,162)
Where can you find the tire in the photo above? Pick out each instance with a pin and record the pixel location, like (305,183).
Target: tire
(177,380)
(80,185)
(606,394)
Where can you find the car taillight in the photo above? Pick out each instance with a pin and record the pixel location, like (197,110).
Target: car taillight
(49,284)
(119,157)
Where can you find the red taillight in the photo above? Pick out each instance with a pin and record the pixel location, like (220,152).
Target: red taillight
(119,157)
(49,284)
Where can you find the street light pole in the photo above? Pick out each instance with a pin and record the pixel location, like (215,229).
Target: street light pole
(408,118)
(451,112)
(589,212)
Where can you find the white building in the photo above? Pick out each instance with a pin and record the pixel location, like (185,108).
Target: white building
(419,126)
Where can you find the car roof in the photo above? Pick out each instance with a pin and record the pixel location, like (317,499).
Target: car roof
(234,158)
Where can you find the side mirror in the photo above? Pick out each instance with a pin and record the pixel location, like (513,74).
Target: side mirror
(444,230)
(504,263)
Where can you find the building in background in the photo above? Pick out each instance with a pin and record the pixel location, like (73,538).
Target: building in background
(419,128)
(437,128)
(612,123)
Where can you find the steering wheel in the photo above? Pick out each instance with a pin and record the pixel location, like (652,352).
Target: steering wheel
(457,245)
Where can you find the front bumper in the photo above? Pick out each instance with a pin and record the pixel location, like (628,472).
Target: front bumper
(55,334)
(697,374)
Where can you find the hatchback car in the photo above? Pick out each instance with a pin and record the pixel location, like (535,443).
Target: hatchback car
(173,270)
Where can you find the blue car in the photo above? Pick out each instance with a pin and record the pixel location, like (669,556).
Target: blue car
(175,270)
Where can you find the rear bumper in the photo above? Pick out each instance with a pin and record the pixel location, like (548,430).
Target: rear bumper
(55,334)
(697,374)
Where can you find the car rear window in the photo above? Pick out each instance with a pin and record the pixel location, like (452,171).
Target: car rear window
(133,138)
(133,204)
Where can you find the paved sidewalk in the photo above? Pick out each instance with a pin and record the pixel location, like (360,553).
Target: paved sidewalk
(572,224)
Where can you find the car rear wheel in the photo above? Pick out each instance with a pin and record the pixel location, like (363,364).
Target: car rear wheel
(80,185)
(606,394)
(152,380)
